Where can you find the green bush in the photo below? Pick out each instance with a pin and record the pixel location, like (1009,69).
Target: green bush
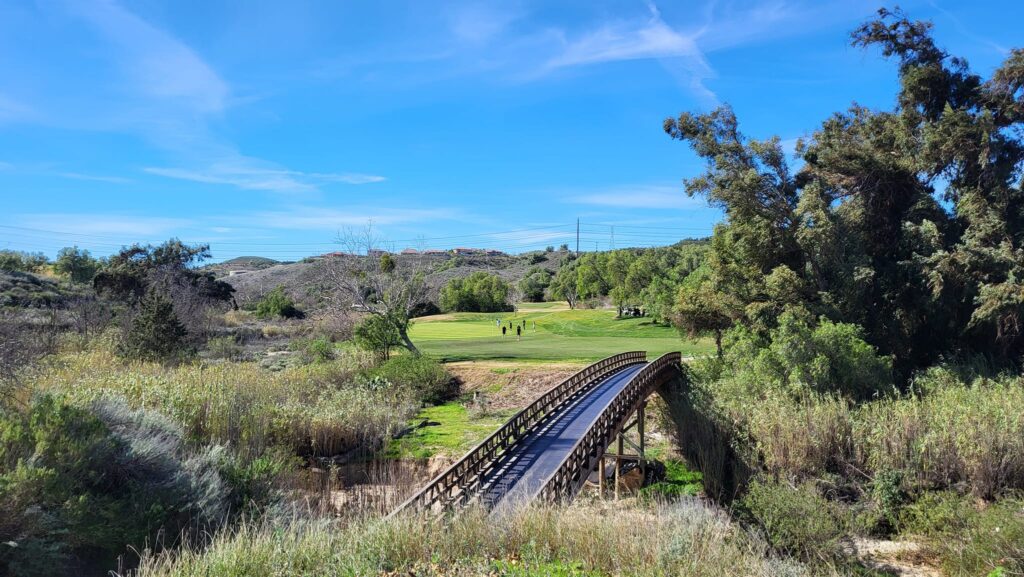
(225,347)
(797,520)
(935,514)
(991,543)
(77,486)
(277,304)
(798,358)
(377,334)
(423,375)
(315,350)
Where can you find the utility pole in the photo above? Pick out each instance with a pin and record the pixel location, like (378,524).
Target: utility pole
(613,237)
(577,238)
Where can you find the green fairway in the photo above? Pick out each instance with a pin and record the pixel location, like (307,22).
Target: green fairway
(552,333)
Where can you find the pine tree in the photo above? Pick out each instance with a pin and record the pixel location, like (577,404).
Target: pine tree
(155,333)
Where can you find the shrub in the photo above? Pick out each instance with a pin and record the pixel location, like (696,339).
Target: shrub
(225,347)
(479,292)
(277,304)
(377,335)
(315,350)
(797,358)
(430,382)
(78,485)
(967,540)
(992,542)
(155,333)
(797,520)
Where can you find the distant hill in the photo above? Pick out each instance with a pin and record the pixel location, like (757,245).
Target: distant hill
(25,289)
(305,281)
(241,264)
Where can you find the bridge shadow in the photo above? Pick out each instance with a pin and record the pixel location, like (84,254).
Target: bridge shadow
(703,441)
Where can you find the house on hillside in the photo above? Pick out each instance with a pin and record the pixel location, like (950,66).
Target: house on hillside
(435,252)
(494,252)
(463,251)
(410,251)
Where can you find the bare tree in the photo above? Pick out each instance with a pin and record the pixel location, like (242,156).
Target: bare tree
(25,337)
(370,279)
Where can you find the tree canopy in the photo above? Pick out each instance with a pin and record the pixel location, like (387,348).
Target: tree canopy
(907,222)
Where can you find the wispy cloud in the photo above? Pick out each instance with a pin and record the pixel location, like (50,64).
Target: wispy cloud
(252,174)
(12,110)
(94,177)
(481,22)
(322,218)
(161,66)
(132,226)
(639,196)
(627,40)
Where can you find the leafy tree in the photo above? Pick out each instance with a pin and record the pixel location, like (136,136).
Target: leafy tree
(76,263)
(382,286)
(376,334)
(22,261)
(170,269)
(155,333)
(704,311)
(907,222)
(534,285)
(277,304)
(563,285)
(479,292)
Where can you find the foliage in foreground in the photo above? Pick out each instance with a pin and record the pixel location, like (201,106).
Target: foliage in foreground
(687,538)
(80,485)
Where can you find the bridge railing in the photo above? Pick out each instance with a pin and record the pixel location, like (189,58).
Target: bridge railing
(570,476)
(456,484)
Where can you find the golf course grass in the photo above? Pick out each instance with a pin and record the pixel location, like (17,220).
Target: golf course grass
(552,333)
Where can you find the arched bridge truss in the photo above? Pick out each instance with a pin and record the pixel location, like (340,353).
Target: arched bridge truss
(548,450)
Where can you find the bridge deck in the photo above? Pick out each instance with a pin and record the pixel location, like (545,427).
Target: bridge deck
(523,470)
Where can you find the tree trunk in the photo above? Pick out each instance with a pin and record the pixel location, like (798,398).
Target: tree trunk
(408,342)
(718,342)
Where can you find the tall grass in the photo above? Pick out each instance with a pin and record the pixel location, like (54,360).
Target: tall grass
(315,410)
(687,538)
(946,434)
(951,435)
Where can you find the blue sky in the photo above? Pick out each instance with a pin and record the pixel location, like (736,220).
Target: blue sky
(264,128)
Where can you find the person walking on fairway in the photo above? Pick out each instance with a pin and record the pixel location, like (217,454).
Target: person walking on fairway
(519,333)
(502,331)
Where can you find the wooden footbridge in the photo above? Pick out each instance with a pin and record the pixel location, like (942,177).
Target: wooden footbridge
(548,450)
